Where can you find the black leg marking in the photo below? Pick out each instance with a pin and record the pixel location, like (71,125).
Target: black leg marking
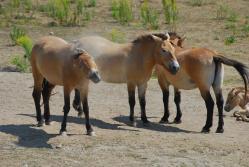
(177,100)
(142,102)
(210,108)
(220,104)
(46,92)
(66,111)
(37,97)
(132,102)
(165,117)
(86,112)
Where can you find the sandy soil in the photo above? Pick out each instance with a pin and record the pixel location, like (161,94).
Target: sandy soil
(116,143)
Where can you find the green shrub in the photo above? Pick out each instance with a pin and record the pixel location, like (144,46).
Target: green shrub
(116,36)
(28,4)
(230,40)
(149,16)
(15,3)
(233,17)
(170,11)
(21,63)
(196,2)
(222,12)
(91,3)
(26,43)
(15,34)
(122,10)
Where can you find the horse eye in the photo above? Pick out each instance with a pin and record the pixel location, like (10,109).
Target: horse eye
(164,51)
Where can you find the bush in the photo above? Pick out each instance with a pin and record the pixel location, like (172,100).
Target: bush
(170,11)
(21,63)
(26,43)
(15,34)
(230,40)
(122,10)
(149,16)
(116,36)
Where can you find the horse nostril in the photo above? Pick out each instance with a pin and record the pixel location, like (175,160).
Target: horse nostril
(174,67)
(94,76)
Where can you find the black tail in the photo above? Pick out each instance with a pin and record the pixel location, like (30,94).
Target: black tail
(240,67)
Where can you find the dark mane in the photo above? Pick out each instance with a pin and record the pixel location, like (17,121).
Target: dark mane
(143,38)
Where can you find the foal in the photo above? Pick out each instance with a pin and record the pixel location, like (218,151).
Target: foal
(56,62)
(200,68)
(131,63)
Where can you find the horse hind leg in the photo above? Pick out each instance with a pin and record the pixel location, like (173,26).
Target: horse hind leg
(177,100)
(46,93)
(210,108)
(38,79)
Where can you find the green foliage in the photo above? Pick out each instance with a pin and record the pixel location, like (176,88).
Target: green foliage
(26,43)
(91,3)
(116,36)
(196,2)
(170,11)
(15,34)
(149,16)
(28,4)
(58,9)
(230,40)
(122,10)
(222,12)
(15,3)
(21,63)
(233,17)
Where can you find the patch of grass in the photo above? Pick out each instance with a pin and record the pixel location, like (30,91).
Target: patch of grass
(92,3)
(15,3)
(122,10)
(196,2)
(15,34)
(222,12)
(233,17)
(21,63)
(26,43)
(170,11)
(230,40)
(116,36)
(149,16)
(28,5)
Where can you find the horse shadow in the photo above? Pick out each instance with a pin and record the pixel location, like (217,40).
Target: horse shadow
(152,126)
(28,135)
(95,122)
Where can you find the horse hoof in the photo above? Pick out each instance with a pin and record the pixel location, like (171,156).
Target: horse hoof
(80,114)
(177,121)
(48,122)
(64,133)
(219,130)
(205,130)
(91,133)
(162,121)
(40,124)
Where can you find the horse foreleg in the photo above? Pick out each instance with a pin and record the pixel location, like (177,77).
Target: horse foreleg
(46,92)
(132,101)
(177,100)
(86,112)
(165,117)
(76,103)
(66,110)
(142,102)
(210,108)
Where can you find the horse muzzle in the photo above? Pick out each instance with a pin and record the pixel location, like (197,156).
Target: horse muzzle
(174,67)
(94,76)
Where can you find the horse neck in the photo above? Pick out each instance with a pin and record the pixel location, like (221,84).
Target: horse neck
(146,56)
(179,49)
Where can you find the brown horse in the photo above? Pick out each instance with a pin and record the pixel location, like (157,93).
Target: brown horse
(56,62)
(131,63)
(200,68)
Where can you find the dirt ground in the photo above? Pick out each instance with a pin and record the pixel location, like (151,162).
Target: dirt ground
(115,143)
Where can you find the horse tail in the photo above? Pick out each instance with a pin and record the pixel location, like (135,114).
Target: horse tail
(240,67)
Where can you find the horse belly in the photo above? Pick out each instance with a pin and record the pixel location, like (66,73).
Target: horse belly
(181,81)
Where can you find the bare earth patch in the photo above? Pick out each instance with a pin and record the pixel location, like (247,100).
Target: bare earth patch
(116,143)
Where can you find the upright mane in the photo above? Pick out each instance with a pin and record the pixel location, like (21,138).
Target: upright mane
(143,38)
(163,36)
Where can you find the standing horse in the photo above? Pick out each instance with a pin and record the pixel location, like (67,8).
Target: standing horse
(200,68)
(56,62)
(131,63)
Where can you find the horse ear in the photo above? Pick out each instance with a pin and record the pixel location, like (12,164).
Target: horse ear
(155,38)
(78,52)
(168,36)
